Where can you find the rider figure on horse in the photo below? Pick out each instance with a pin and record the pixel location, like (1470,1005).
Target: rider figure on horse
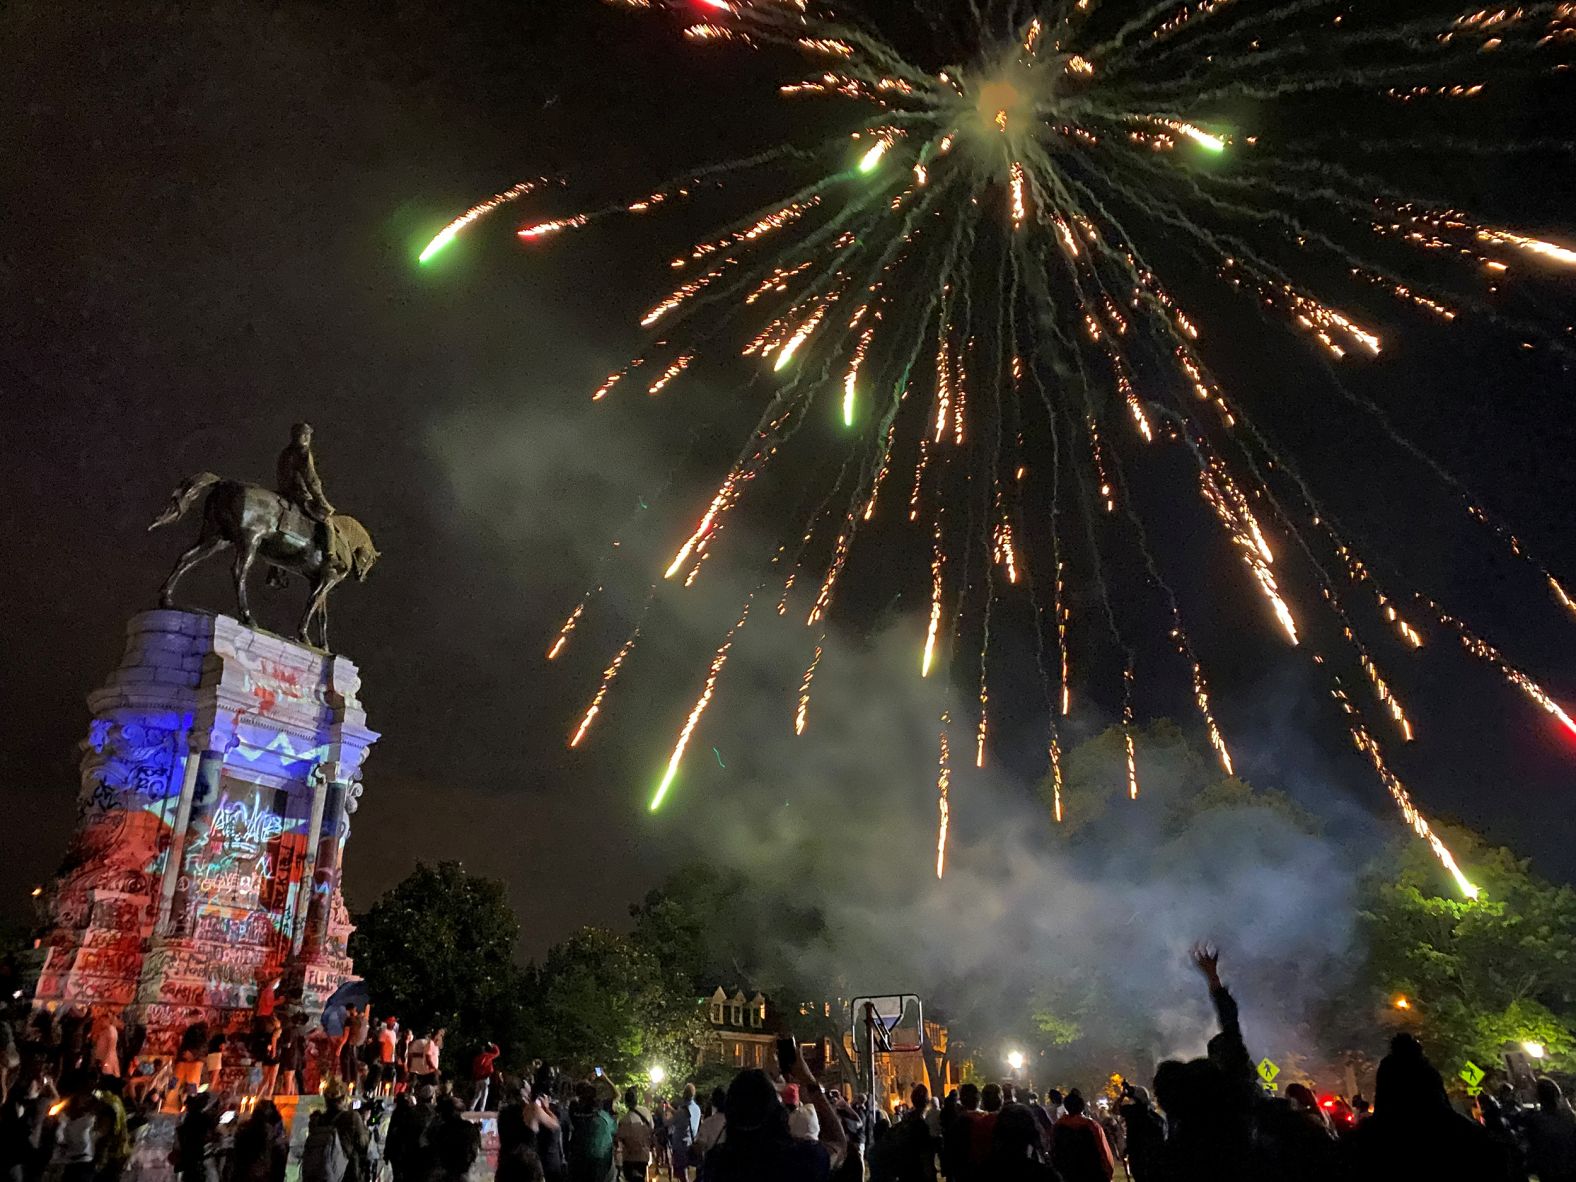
(300,485)
(298,479)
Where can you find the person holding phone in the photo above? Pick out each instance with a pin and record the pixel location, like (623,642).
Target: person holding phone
(757,1145)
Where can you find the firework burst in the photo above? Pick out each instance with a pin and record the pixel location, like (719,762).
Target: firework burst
(967,288)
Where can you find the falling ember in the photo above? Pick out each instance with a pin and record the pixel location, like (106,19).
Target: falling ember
(943,798)
(719,504)
(802,714)
(1216,739)
(680,364)
(1548,250)
(1063,618)
(1201,137)
(678,297)
(1019,210)
(717,662)
(936,585)
(480,210)
(543,229)
(1250,542)
(984,723)
(569,626)
(851,378)
(872,158)
(1366,743)
(1006,555)
(1565,600)
(1056,780)
(1485,651)
(609,675)
(1127,733)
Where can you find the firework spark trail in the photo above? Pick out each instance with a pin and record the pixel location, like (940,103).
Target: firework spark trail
(688,731)
(562,638)
(1066,151)
(609,675)
(1485,651)
(1369,746)
(802,714)
(479,210)
(943,797)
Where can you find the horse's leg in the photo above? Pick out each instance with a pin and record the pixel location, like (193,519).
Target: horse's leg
(245,554)
(205,548)
(319,607)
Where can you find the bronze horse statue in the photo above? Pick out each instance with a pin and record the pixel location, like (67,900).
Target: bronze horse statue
(260,523)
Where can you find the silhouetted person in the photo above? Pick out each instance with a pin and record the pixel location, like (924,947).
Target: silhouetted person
(914,1146)
(1016,1154)
(261,1147)
(1146,1134)
(1414,1133)
(1209,1103)
(456,1142)
(1551,1135)
(1079,1149)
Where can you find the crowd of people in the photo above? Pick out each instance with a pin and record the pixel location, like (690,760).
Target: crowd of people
(390,1112)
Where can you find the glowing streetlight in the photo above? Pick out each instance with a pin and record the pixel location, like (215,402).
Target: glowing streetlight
(1401,1003)
(658,1073)
(1535,1050)
(1015,1060)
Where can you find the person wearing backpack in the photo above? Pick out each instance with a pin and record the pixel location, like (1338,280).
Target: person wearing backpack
(635,1133)
(336,1141)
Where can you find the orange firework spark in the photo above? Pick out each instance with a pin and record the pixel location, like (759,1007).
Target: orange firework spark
(1056,779)
(937,563)
(943,798)
(609,675)
(569,626)
(543,229)
(1369,746)
(680,364)
(802,715)
(1485,651)
(1243,530)
(1127,733)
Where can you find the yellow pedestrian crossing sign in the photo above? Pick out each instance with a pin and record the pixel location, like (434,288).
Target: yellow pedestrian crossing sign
(1268,1070)
(1472,1076)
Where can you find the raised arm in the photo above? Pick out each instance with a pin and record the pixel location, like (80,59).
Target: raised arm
(832,1135)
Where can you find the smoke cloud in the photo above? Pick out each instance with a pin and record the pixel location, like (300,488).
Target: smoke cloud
(836,831)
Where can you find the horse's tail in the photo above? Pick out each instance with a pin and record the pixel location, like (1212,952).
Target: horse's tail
(182,498)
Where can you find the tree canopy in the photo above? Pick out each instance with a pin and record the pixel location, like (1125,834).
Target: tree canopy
(1477,978)
(438,950)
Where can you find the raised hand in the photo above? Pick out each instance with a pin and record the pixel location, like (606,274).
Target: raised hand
(1207,960)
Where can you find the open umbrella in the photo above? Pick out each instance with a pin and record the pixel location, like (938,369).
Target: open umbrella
(352,993)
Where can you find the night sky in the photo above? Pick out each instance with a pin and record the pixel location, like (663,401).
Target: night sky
(209,215)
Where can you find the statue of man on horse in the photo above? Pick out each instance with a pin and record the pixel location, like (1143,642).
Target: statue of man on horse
(294,529)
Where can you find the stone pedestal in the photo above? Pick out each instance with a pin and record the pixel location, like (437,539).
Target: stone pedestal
(218,780)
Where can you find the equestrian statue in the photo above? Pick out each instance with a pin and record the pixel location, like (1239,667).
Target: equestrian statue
(292,529)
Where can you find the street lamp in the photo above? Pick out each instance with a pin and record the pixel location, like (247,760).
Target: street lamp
(1535,1050)
(658,1073)
(1015,1060)
(1401,1003)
